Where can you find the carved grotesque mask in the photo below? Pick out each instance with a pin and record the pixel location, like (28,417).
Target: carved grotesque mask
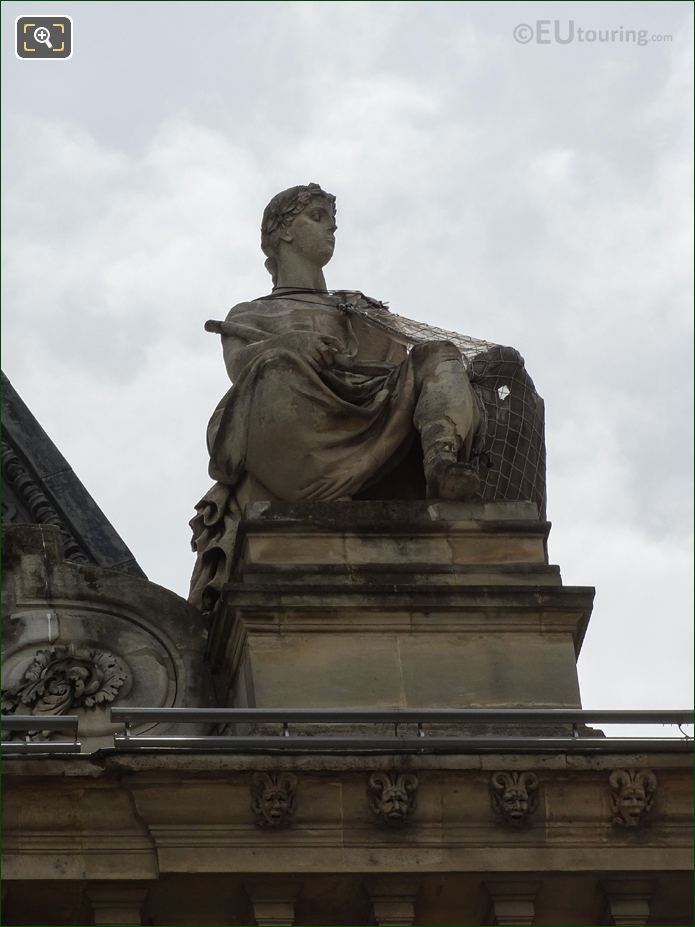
(273,798)
(275,803)
(632,795)
(392,796)
(394,803)
(633,804)
(514,796)
(515,803)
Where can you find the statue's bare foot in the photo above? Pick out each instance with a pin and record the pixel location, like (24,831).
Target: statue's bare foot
(447,480)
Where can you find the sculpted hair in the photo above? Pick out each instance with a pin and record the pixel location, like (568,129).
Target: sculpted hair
(280,212)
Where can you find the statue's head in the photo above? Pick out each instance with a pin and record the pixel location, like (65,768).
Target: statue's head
(300,219)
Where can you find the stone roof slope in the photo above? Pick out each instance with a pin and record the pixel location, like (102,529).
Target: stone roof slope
(40,487)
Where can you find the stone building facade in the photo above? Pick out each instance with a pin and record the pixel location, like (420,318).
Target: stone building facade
(378,811)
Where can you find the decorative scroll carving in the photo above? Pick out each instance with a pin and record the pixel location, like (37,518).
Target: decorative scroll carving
(392,796)
(65,677)
(632,795)
(37,502)
(514,796)
(273,798)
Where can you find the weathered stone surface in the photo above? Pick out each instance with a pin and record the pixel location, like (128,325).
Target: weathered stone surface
(79,638)
(183,825)
(369,604)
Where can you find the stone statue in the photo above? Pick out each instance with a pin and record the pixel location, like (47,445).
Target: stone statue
(334,397)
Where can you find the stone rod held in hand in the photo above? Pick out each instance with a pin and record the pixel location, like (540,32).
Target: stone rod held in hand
(226,328)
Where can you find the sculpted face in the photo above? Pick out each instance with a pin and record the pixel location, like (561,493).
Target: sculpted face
(275,804)
(514,796)
(632,795)
(312,232)
(272,798)
(633,804)
(515,804)
(395,803)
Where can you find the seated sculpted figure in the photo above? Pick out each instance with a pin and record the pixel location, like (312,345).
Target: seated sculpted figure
(332,398)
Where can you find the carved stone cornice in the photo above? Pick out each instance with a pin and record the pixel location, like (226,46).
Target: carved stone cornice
(37,503)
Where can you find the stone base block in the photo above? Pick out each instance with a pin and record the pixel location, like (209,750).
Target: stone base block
(416,605)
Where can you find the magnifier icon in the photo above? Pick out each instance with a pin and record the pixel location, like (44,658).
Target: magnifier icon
(42,35)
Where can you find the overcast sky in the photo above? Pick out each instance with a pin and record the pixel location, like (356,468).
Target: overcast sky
(537,195)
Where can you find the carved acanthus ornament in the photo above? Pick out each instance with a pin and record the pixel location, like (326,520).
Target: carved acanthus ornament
(392,796)
(65,677)
(273,798)
(632,795)
(514,796)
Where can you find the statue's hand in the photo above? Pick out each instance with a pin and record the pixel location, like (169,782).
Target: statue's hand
(319,350)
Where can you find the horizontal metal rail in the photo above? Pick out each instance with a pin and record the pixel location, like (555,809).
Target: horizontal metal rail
(36,723)
(21,747)
(29,724)
(410,744)
(399,715)
(421,742)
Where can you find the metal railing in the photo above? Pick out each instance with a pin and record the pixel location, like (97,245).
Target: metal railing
(422,741)
(31,724)
(417,738)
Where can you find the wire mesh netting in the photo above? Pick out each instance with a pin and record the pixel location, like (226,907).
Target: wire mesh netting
(513,458)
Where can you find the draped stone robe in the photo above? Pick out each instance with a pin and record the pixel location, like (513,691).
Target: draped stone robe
(286,431)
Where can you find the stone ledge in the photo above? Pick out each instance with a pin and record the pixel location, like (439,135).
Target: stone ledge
(113,764)
(396,515)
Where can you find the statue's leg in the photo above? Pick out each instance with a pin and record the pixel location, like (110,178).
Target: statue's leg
(447,417)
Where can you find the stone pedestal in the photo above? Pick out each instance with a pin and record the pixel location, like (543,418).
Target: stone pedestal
(397,604)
